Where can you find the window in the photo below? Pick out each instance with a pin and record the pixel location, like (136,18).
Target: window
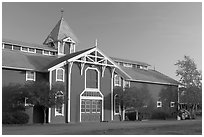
(116,104)
(117,80)
(159,104)
(15,47)
(172,104)
(60,74)
(40,51)
(7,46)
(30,75)
(46,52)
(92,79)
(127,84)
(93,106)
(127,65)
(25,49)
(59,109)
(31,50)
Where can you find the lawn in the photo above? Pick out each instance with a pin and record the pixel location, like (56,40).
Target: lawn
(154,127)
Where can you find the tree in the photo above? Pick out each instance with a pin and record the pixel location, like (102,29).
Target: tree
(39,93)
(191,78)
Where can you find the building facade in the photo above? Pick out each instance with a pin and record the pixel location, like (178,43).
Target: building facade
(89,77)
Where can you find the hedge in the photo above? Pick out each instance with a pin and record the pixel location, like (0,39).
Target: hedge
(17,117)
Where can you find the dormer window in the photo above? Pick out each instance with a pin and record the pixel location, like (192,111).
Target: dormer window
(72,48)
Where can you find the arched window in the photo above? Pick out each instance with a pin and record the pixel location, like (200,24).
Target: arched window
(59,109)
(116,104)
(60,74)
(92,79)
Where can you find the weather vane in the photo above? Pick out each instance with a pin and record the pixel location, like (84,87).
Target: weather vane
(62,11)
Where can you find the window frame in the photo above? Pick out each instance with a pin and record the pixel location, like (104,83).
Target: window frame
(119,80)
(62,107)
(29,79)
(159,106)
(172,104)
(62,74)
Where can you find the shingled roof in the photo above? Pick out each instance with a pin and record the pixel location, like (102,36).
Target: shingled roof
(60,31)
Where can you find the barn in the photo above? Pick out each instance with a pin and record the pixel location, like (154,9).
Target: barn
(89,76)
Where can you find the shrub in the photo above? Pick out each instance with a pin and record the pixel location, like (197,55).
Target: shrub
(17,117)
(160,115)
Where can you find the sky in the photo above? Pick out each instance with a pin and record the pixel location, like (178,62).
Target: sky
(159,34)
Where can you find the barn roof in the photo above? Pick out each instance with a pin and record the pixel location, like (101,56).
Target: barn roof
(149,76)
(25,44)
(27,61)
(130,61)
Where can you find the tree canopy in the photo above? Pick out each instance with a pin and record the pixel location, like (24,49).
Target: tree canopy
(191,78)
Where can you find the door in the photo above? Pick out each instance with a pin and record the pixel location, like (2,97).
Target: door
(91,110)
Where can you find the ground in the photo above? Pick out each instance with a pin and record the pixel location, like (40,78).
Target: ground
(153,127)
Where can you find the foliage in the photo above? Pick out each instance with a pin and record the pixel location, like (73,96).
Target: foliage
(17,117)
(133,97)
(12,97)
(191,78)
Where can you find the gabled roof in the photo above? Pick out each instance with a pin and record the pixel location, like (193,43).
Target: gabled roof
(60,32)
(67,57)
(130,61)
(25,44)
(25,61)
(149,76)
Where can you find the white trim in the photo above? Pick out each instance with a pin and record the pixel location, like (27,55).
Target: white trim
(57,66)
(98,88)
(34,73)
(32,51)
(62,73)
(112,86)
(69,89)
(159,106)
(58,47)
(3,45)
(18,68)
(144,81)
(49,115)
(24,50)
(46,53)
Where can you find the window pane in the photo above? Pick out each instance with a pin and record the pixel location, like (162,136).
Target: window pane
(60,74)
(91,79)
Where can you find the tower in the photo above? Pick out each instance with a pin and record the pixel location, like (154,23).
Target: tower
(62,38)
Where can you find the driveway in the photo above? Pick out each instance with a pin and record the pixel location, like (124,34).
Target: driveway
(154,127)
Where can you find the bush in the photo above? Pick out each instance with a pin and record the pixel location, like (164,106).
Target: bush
(160,115)
(17,117)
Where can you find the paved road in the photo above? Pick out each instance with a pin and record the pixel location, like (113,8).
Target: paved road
(164,127)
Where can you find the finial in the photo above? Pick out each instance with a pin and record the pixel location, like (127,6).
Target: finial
(62,11)
(96,43)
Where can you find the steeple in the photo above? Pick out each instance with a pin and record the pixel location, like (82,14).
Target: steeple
(61,36)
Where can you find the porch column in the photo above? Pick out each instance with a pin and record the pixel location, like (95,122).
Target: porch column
(112,86)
